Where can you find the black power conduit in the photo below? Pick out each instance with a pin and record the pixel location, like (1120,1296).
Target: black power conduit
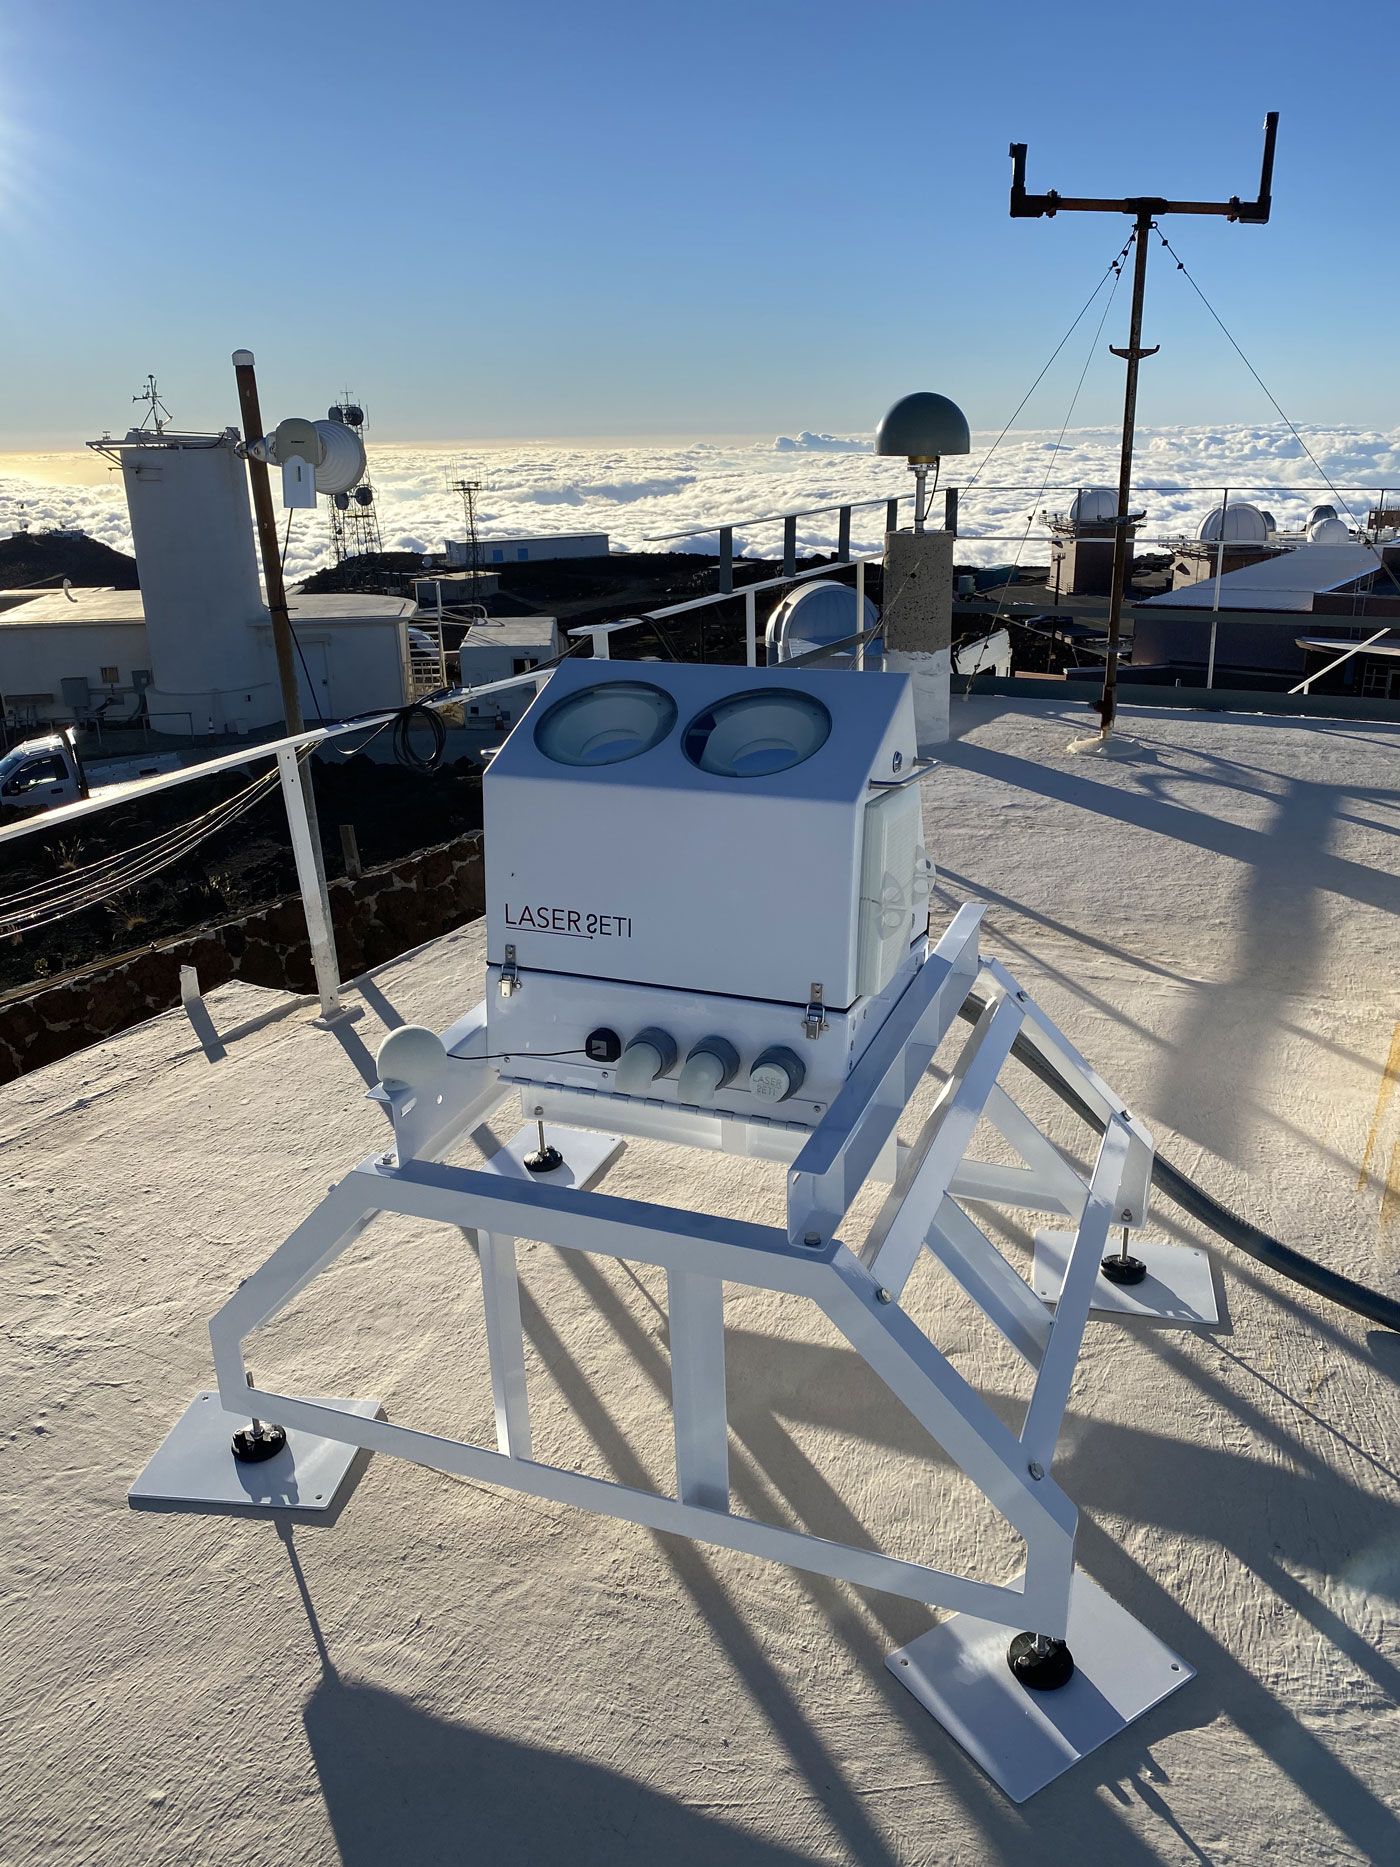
(1266,1250)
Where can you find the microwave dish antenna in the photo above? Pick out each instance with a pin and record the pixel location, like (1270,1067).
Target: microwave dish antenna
(315,457)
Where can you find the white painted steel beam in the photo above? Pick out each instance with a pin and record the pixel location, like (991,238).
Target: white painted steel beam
(996,1287)
(695,1309)
(866,1568)
(1041,1427)
(956,1115)
(837,1159)
(505,1343)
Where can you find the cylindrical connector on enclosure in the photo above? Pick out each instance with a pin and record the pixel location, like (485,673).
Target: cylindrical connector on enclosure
(711,1064)
(650,1054)
(777,1074)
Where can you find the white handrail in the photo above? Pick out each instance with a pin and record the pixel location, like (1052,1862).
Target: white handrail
(1355,649)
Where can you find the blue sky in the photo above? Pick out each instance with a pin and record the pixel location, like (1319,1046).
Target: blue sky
(540,219)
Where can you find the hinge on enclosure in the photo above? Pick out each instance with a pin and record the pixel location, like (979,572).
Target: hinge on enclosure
(814,1018)
(510,974)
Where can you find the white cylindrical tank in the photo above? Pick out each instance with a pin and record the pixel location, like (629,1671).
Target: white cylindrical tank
(192,529)
(1234,525)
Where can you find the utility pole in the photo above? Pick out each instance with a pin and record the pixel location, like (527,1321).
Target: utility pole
(297,795)
(1145,210)
(269,545)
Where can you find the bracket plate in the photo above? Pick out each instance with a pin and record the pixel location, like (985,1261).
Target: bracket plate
(1025,1739)
(1178,1288)
(194,1466)
(586,1155)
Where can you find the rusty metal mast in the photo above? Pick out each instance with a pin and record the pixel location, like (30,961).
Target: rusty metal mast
(1145,209)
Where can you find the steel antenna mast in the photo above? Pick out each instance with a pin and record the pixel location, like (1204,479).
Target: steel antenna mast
(1145,209)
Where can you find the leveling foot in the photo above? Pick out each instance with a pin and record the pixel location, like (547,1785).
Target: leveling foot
(545,1158)
(1119,1268)
(259,1441)
(1040,1662)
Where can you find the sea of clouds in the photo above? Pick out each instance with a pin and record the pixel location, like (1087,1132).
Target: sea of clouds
(636,493)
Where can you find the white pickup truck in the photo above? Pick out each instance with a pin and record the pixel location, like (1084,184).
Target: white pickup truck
(40,774)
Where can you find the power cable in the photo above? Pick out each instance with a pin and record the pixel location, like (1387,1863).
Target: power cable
(100,865)
(1271,1252)
(32,909)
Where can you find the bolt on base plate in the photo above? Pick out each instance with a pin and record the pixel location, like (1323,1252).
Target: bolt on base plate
(1025,1739)
(196,1468)
(1178,1285)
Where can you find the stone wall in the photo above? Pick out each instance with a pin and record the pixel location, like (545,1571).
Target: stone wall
(384,912)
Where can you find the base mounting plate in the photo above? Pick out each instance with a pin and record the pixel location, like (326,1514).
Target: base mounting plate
(1178,1287)
(195,1466)
(585,1155)
(1023,1739)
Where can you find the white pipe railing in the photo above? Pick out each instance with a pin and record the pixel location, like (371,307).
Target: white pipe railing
(1356,648)
(287,751)
(602,632)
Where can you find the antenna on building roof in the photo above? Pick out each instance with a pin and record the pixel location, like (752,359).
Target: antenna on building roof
(1145,210)
(467,491)
(157,414)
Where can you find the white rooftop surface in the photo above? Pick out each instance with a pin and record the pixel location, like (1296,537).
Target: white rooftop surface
(450,1673)
(1289,580)
(60,610)
(513,632)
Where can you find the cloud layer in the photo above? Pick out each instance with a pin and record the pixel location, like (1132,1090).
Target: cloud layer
(634,493)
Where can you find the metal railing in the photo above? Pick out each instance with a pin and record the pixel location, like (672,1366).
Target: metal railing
(289,753)
(601,633)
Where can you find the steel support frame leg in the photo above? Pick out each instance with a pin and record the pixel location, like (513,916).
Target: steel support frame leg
(695,1307)
(505,1343)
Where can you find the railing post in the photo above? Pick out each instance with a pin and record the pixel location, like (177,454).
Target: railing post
(311,880)
(843,533)
(1215,606)
(860,615)
(726,558)
(790,547)
(750,629)
(891,515)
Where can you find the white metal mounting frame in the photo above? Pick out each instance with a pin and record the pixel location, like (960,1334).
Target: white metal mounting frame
(933,1185)
(700,1253)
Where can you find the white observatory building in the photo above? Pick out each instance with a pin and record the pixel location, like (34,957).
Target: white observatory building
(191,651)
(1227,539)
(1082,543)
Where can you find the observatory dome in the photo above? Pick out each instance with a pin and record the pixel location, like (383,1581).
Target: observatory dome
(1318,512)
(1234,525)
(814,616)
(1092,505)
(1328,531)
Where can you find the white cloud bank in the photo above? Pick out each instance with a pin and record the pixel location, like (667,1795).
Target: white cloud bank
(809,443)
(630,492)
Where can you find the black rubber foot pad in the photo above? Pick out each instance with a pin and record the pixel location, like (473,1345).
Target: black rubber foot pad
(1043,1668)
(253,1444)
(1121,1270)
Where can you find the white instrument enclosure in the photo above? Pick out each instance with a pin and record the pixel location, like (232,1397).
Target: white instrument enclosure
(642,891)
(652,870)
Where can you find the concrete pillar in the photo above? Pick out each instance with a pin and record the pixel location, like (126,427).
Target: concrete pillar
(918,616)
